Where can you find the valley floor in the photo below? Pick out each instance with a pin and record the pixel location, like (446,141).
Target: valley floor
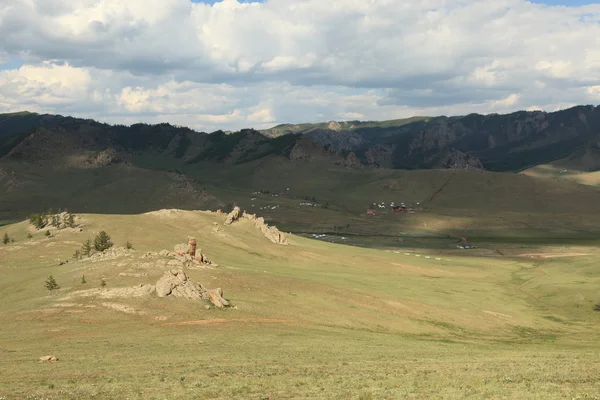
(310,320)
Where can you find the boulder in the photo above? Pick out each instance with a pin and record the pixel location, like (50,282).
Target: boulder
(233,216)
(216,297)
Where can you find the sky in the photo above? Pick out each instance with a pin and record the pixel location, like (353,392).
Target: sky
(231,64)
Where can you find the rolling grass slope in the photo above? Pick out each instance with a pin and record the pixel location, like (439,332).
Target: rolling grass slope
(311,319)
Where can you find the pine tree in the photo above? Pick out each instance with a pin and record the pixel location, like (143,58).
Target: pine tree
(47,233)
(83,279)
(77,255)
(86,249)
(128,245)
(103,282)
(51,283)
(6,239)
(37,220)
(102,241)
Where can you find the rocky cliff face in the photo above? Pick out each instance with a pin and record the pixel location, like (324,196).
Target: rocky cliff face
(496,142)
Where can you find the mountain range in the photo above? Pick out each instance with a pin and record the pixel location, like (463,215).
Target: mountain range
(511,142)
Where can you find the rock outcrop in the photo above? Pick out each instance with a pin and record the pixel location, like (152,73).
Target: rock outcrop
(233,216)
(270,232)
(177,284)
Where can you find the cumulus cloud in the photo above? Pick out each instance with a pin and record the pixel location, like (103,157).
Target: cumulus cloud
(234,65)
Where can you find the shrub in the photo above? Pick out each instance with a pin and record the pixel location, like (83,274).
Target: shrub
(102,242)
(103,282)
(47,233)
(597,306)
(77,255)
(29,236)
(83,279)
(86,248)
(6,238)
(51,283)
(128,245)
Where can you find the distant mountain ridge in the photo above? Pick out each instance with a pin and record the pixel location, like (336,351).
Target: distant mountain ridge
(510,142)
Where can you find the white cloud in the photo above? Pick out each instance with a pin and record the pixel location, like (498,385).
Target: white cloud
(236,65)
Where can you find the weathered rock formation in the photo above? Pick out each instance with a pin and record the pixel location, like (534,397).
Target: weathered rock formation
(270,232)
(187,255)
(233,216)
(192,247)
(176,283)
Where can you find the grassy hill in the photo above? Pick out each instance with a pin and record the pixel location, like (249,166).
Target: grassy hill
(311,319)
(583,166)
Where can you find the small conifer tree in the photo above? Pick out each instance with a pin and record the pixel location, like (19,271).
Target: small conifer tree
(103,282)
(102,241)
(47,233)
(83,279)
(128,245)
(86,249)
(6,239)
(77,255)
(51,283)
(29,236)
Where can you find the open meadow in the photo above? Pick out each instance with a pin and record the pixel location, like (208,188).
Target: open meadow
(309,319)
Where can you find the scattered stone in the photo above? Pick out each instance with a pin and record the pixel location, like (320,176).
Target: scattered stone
(215,223)
(164,253)
(216,297)
(127,274)
(207,307)
(233,216)
(48,359)
(149,254)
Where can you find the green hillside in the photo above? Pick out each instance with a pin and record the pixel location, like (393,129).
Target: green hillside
(310,319)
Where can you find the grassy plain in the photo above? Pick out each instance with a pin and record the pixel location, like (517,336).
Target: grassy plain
(312,320)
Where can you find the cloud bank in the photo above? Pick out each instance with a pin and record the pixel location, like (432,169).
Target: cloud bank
(233,65)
